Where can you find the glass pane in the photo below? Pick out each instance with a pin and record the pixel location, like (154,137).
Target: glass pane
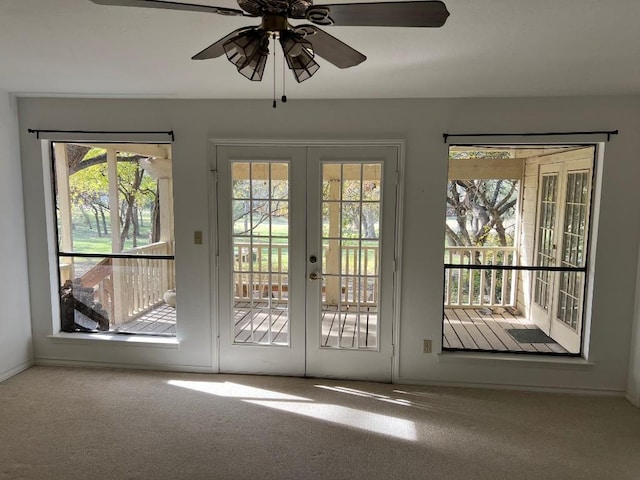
(370,227)
(260,180)
(351,219)
(241,187)
(352,182)
(331,258)
(260,216)
(371,182)
(279,218)
(241,217)
(331,181)
(132,295)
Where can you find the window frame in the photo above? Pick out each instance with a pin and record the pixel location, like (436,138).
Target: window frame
(53,231)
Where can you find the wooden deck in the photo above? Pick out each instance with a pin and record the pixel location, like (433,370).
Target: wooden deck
(464,328)
(161,320)
(482,330)
(338,328)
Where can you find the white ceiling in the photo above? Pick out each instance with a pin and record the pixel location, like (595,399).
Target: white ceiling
(486,48)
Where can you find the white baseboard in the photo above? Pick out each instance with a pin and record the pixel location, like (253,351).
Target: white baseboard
(60,362)
(522,388)
(633,400)
(14,371)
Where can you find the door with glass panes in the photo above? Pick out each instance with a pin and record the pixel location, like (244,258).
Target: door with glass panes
(305,286)
(562,227)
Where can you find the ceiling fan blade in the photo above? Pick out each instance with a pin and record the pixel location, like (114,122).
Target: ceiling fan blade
(330,48)
(216,49)
(385,14)
(188,7)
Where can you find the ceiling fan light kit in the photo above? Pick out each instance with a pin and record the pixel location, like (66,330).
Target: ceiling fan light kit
(248,51)
(248,47)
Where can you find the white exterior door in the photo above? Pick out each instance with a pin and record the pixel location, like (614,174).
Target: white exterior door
(562,232)
(306,252)
(261,275)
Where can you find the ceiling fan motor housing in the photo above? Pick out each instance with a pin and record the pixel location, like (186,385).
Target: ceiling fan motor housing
(288,8)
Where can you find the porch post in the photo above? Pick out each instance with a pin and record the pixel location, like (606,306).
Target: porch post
(64,205)
(159,168)
(118,274)
(333,253)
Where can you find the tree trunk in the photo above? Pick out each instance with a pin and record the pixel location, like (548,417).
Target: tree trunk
(104,220)
(97,219)
(155,219)
(129,203)
(136,224)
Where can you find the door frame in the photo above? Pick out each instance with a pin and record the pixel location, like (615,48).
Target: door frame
(213,229)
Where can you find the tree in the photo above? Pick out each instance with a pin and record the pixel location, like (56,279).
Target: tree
(136,188)
(481,209)
(89,190)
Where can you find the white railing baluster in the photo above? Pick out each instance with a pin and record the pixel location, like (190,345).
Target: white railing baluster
(460,283)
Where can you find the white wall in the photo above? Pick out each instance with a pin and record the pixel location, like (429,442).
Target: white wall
(421,123)
(15,338)
(633,387)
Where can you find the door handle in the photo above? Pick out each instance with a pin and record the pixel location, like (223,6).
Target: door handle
(314,276)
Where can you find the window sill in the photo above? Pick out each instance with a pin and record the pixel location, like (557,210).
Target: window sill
(551,361)
(129,340)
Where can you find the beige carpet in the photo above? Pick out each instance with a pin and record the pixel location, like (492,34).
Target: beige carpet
(68,423)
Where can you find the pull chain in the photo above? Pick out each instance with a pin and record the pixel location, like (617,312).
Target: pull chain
(274,70)
(284,96)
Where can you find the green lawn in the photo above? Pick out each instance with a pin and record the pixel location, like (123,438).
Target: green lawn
(86,238)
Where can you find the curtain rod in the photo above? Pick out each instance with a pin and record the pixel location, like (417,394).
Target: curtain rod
(608,133)
(103,132)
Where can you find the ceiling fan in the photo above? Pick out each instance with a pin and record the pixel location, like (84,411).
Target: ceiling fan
(248,47)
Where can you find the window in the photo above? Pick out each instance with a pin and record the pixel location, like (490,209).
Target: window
(115,241)
(517,224)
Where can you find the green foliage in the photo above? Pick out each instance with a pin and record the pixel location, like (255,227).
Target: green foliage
(90,207)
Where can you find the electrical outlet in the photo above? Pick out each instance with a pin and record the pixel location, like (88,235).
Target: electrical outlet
(426,346)
(197,237)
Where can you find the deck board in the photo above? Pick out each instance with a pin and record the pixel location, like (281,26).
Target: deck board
(450,334)
(160,320)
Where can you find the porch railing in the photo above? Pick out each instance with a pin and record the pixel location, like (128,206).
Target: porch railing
(255,277)
(466,287)
(143,281)
(127,287)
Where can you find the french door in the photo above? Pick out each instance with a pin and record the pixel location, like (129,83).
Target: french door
(564,201)
(305,261)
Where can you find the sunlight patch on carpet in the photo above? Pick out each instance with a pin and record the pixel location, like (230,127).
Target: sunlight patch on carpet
(235,390)
(350,417)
